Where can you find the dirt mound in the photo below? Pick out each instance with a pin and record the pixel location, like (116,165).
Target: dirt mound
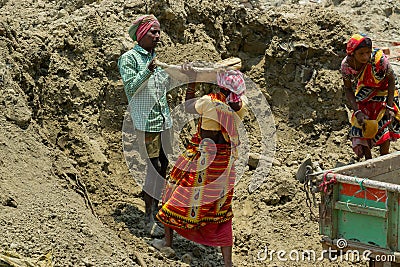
(65,185)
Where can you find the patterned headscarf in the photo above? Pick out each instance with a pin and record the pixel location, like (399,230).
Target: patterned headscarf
(233,81)
(354,42)
(141,26)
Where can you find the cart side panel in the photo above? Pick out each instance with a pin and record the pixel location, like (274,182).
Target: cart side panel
(325,216)
(356,195)
(328,215)
(364,211)
(393,221)
(362,228)
(362,214)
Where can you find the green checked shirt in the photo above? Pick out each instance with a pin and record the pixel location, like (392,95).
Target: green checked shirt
(146,91)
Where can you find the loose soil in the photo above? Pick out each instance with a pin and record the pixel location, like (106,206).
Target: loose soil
(65,186)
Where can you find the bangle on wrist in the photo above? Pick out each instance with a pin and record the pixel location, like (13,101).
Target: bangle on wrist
(389,107)
(356,112)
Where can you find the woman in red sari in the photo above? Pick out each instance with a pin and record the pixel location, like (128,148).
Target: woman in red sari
(372,90)
(198,196)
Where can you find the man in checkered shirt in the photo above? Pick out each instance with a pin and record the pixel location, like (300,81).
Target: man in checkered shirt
(146,86)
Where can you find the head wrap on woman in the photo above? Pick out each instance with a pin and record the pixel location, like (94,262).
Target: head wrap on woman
(233,81)
(141,26)
(354,42)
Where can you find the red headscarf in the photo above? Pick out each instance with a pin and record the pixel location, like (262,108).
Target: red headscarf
(354,42)
(141,26)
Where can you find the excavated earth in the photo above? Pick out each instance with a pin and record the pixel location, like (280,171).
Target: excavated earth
(66,188)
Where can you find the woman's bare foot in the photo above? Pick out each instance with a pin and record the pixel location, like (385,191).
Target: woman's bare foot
(161,245)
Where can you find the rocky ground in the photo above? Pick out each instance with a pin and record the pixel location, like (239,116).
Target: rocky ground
(66,189)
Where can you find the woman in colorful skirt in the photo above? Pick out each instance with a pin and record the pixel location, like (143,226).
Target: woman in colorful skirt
(198,196)
(371,88)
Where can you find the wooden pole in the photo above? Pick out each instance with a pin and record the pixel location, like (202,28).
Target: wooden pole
(140,259)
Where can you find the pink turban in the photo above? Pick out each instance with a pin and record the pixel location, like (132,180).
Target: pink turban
(233,81)
(141,26)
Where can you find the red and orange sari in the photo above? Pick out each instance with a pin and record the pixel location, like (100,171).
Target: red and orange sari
(198,196)
(371,91)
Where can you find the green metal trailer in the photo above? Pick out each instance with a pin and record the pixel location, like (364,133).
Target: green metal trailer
(359,210)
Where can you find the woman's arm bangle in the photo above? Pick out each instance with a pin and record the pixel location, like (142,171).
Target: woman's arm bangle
(390,108)
(356,112)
